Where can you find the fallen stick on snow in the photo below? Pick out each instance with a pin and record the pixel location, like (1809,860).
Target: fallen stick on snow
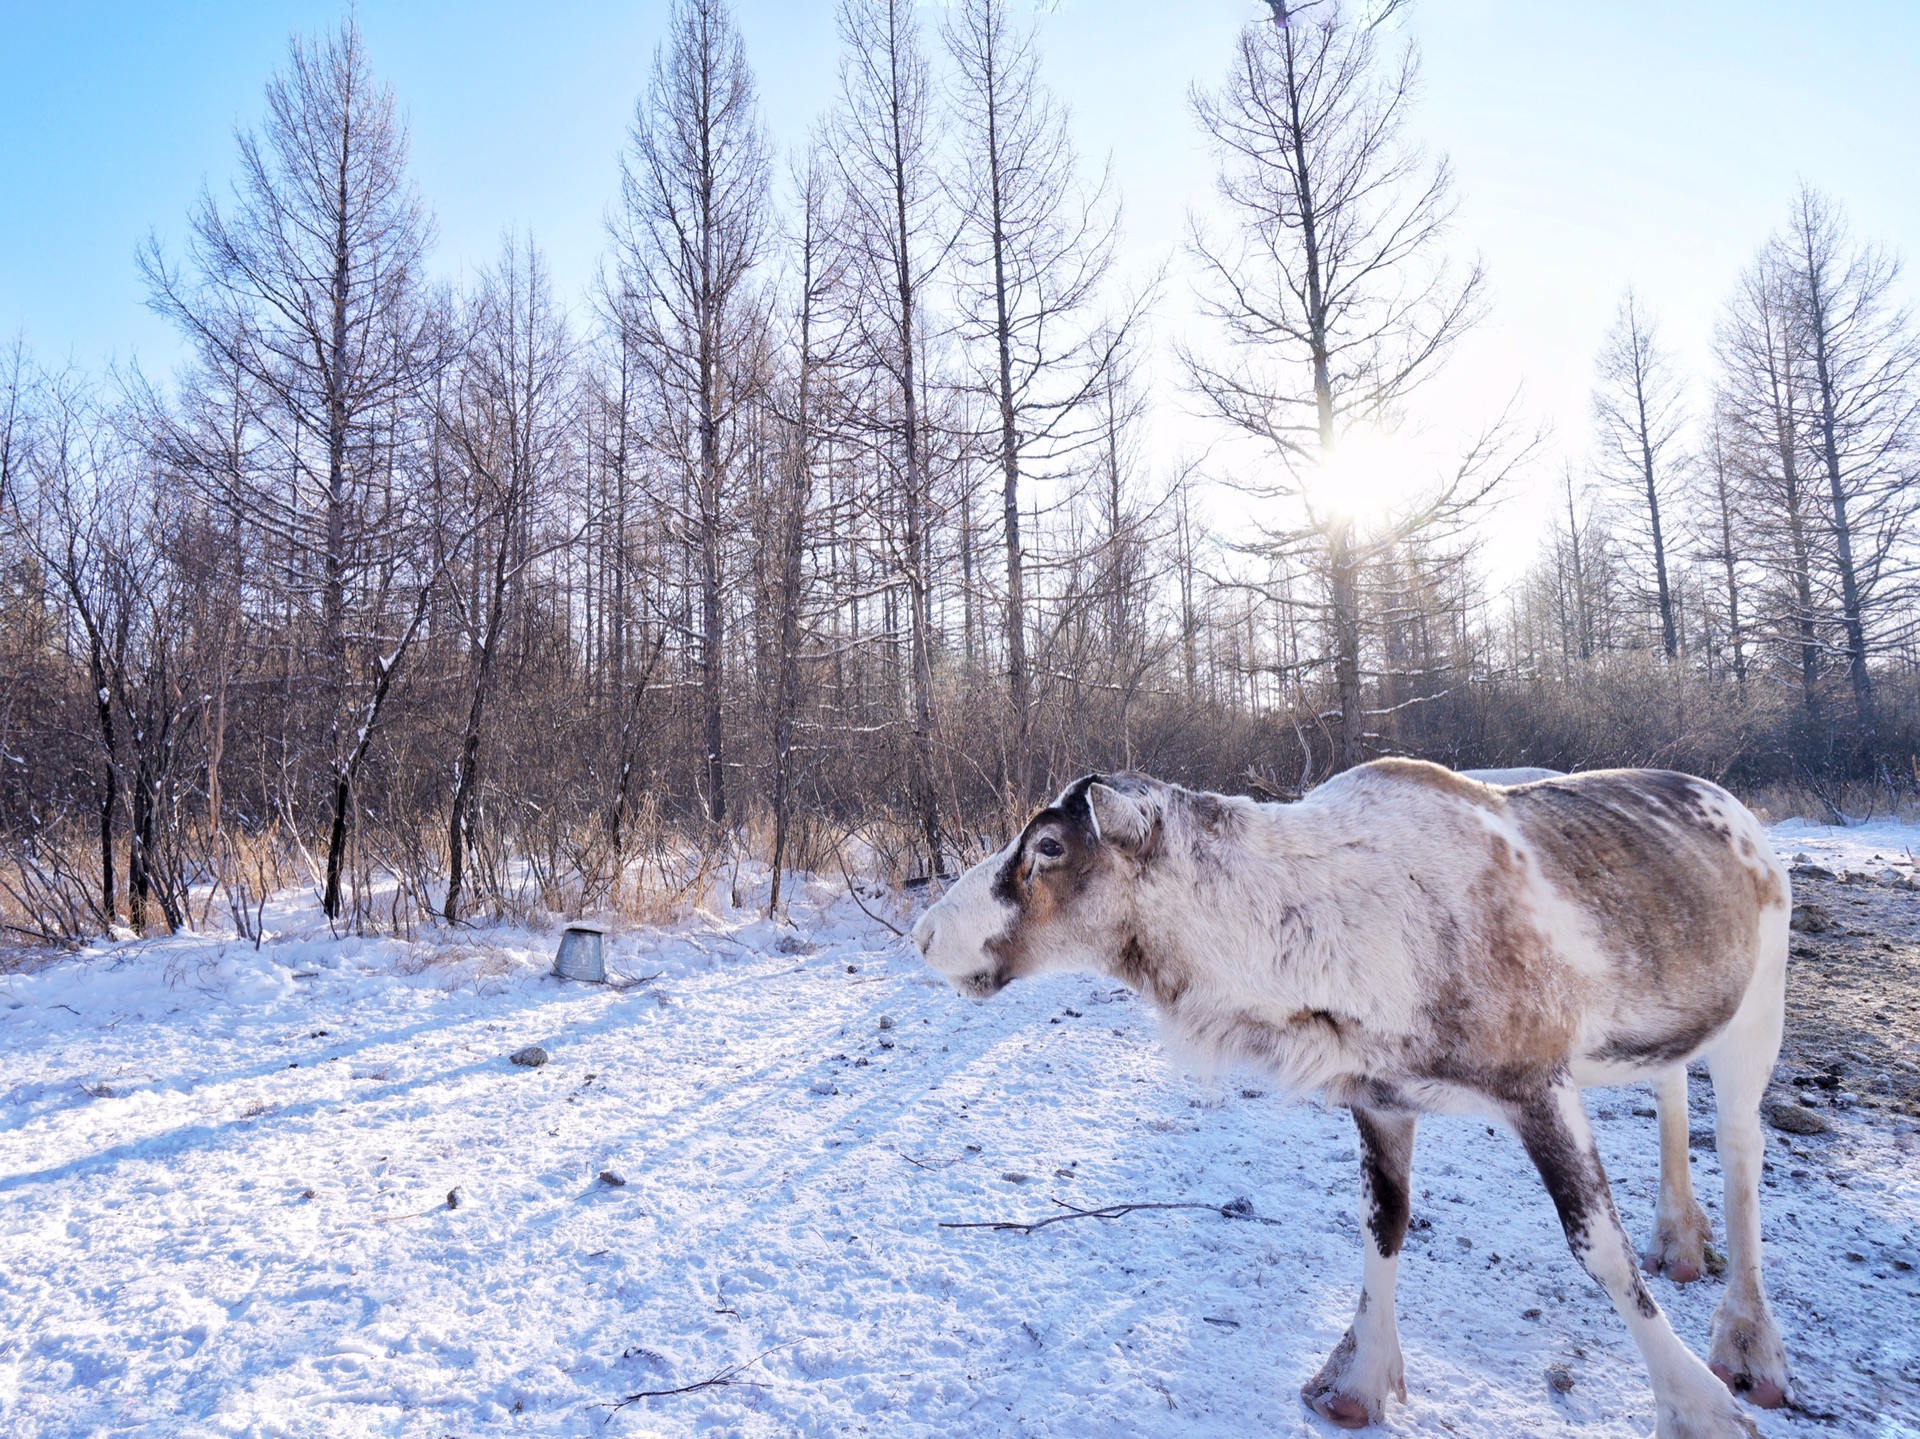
(935,1164)
(392,1218)
(453,1202)
(863,904)
(1232,1209)
(725,1378)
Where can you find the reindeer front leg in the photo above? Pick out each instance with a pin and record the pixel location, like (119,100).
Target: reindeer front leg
(1689,1403)
(1351,1388)
(1680,1227)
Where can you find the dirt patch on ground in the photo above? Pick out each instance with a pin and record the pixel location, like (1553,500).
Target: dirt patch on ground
(1853,998)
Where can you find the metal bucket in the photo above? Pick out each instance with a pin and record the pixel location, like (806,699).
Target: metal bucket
(582,954)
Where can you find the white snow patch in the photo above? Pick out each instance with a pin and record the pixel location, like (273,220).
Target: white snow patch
(1882,849)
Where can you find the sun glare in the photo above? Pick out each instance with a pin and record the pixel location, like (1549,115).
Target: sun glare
(1370,475)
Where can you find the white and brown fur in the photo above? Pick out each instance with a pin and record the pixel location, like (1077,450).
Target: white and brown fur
(1408,940)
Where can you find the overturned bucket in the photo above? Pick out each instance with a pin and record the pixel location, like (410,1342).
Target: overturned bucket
(582,953)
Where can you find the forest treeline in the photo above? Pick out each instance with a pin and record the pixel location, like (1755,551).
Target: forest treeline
(826,528)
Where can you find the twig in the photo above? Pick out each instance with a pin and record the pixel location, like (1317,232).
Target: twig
(862,903)
(1236,1209)
(391,1218)
(937,1164)
(725,1378)
(453,1202)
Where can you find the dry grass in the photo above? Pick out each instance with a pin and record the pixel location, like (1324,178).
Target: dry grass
(1831,804)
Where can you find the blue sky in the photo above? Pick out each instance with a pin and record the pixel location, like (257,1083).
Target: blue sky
(1596,144)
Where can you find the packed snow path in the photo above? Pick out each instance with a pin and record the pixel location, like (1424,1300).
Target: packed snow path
(224,1180)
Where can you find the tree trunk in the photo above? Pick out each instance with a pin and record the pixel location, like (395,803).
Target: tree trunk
(1836,490)
(1342,576)
(1018,687)
(1669,636)
(926,798)
(337,842)
(335,580)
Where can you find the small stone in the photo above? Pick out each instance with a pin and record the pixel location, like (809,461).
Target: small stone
(533,1056)
(1560,1379)
(613,1178)
(1797,1119)
(886,1021)
(853,969)
(1014,1176)
(309,1194)
(1529,1313)
(1854,1256)
(1644,1111)
(456,1197)
(1810,919)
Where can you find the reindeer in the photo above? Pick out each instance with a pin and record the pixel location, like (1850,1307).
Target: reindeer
(1406,940)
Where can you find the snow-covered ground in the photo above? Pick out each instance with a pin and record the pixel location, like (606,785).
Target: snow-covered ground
(1881,849)
(224,1180)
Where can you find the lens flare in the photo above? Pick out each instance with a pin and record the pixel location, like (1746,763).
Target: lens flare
(1370,475)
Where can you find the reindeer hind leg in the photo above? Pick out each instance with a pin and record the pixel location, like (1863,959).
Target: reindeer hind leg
(1746,1350)
(1680,1227)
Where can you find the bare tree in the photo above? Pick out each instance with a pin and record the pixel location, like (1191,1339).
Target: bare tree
(309,292)
(1036,245)
(1638,415)
(103,529)
(1719,498)
(890,219)
(817,274)
(69,528)
(1861,357)
(1762,404)
(1333,294)
(692,229)
(507,421)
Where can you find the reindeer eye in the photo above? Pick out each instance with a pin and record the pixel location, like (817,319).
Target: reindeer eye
(1051,847)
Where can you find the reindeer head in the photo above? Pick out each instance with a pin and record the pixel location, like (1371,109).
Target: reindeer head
(1059,897)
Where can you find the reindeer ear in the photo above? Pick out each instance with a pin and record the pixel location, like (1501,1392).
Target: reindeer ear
(1120,820)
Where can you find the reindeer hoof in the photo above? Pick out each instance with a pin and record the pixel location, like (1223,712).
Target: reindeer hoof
(1680,1271)
(1761,1393)
(1343,1411)
(1679,1247)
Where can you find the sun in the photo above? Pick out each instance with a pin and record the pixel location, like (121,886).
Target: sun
(1370,475)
